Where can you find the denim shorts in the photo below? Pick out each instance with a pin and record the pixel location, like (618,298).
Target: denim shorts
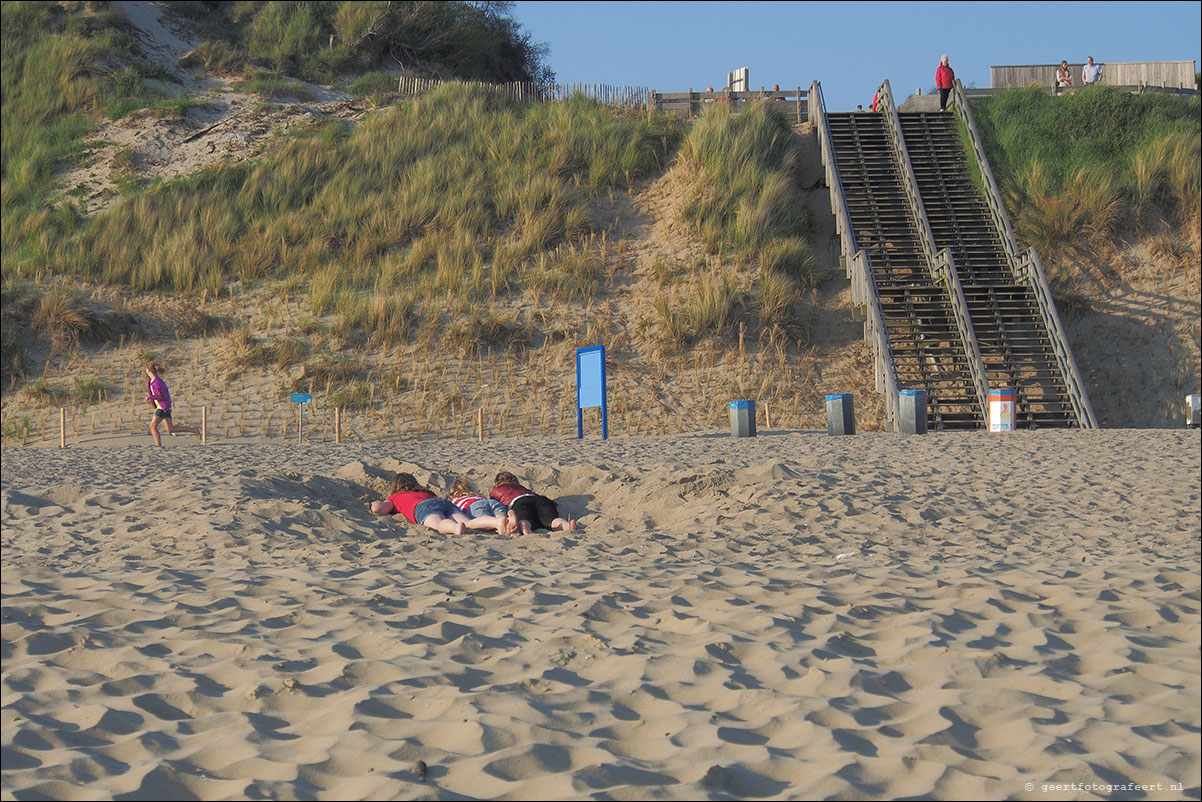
(487,506)
(433,506)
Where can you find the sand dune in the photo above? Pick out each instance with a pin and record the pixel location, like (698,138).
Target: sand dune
(791,616)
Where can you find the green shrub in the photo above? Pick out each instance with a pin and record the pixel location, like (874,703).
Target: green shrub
(485,330)
(45,394)
(317,41)
(373,83)
(19,429)
(270,85)
(354,396)
(90,390)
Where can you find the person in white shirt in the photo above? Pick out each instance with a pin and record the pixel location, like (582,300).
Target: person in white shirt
(1064,76)
(1091,73)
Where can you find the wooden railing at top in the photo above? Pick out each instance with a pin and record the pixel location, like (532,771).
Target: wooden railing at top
(939,263)
(683,104)
(1027,269)
(857,262)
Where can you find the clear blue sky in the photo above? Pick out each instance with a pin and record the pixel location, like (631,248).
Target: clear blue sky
(850,47)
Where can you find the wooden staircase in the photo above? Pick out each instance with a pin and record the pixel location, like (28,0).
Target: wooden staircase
(927,351)
(1013,341)
(952,306)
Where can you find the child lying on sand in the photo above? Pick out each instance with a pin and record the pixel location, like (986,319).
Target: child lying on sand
(477,507)
(530,510)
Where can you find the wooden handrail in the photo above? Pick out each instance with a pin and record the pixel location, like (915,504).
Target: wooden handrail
(940,264)
(993,196)
(1027,269)
(1031,273)
(857,263)
(945,273)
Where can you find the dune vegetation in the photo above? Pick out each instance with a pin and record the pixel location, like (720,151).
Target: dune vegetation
(461,224)
(463,238)
(1090,165)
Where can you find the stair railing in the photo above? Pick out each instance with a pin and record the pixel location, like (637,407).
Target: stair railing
(1027,269)
(1031,273)
(945,274)
(877,336)
(939,263)
(993,195)
(857,263)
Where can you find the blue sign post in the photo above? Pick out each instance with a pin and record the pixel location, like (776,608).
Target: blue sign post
(590,387)
(300,399)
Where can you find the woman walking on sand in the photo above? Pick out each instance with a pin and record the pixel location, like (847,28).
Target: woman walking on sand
(160,398)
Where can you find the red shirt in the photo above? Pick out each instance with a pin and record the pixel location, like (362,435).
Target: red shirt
(944,77)
(407,500)
(507,493)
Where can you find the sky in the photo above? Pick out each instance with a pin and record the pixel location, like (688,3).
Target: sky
(849,47)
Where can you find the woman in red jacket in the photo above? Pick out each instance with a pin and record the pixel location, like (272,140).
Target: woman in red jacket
(945,79)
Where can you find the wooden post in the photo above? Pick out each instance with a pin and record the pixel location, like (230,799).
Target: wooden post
(767,417)
(799,105)
(480,425)
(204,425)
(337,424)
(62,427)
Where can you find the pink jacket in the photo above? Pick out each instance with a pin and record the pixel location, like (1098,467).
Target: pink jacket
(156,391)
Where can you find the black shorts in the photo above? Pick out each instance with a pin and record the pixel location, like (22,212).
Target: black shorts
(163,413)
(540,511)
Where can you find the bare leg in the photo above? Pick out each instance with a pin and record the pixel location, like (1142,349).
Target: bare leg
(499,523)
(448,526)
(181,429)
(154,430)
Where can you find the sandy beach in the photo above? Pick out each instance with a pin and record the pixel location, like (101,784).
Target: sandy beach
(790,616)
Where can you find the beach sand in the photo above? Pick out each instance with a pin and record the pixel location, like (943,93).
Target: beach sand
(795,615)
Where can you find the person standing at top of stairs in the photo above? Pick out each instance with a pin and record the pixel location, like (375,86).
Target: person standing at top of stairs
(945,78)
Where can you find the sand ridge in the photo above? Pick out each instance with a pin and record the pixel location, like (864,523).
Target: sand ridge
(790,616)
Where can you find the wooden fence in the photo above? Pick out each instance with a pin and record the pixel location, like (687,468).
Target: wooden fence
(1128,74)
(609,94)
(682,104)
(691,103)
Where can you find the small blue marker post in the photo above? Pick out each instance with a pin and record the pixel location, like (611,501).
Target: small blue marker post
(590,387)
(300,399)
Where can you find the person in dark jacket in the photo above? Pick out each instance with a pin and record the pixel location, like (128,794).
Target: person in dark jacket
(945,78)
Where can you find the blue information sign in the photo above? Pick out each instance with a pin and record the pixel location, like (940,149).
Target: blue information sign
(590,387)
(302,398)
